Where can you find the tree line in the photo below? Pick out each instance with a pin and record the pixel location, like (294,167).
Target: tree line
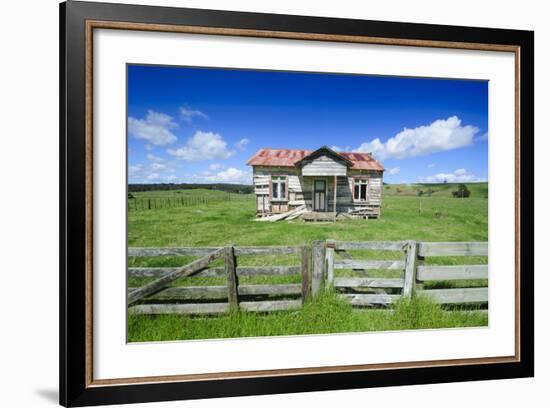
(229,188)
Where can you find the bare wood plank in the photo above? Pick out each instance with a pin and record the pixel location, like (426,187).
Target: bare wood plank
(330,262)
(149,272)
(366,264)
(271,306)
(254,271)
(297,214)
(188,309)
(184,251)
(467,312)
(368,283)
(306,272)
(267,270)
(291,289)
(335,188)
(220,292)
(218,271)
(318,267)
(410,270)
(231,274)
(278,217)
(211,272)
(370,299)
(454,272)
(274,250)
(374,245)
(165,280)
(135,251)
(463,295)
(189,293)
(453,249)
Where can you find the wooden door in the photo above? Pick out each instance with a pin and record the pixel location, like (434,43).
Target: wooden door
(319,195)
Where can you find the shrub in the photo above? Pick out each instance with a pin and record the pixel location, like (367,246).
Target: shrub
(462,191)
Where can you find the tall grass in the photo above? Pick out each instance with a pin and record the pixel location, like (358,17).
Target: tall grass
(405,216)
(323,315)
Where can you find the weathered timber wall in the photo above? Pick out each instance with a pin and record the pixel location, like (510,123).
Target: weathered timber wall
(300,189)
(324,166)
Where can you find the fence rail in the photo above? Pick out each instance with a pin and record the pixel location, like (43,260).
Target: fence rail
(320,265)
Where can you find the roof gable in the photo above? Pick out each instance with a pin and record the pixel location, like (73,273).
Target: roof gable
(323,151)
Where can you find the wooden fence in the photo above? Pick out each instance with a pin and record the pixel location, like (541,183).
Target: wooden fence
(219,299)
(154,203)
(358,290)
(319,264)
(445,273)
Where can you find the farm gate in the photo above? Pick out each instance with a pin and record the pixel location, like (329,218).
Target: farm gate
(349,267)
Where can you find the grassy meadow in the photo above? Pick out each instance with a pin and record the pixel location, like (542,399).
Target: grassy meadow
(229,219)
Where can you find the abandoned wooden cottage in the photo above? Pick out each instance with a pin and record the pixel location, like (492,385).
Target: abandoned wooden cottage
(320,181)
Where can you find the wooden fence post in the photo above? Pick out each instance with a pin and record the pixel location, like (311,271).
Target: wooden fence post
(330,261)
(410,270)
(318,263)
(306,272)
(231,273)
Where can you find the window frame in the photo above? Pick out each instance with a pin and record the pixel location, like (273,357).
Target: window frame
(359,181)
(284,181)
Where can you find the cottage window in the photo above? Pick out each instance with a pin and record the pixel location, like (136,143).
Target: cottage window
(360,189)
(278,188)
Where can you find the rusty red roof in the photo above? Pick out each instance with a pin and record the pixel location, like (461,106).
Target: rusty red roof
(288,158)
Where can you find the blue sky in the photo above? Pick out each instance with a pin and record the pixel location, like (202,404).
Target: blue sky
(200,125)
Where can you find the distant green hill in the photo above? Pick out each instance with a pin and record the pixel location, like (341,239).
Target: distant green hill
(478,190)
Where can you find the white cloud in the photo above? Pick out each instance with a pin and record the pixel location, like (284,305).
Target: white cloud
(203,146)
(438,136)
(231,175)
(155,128)
(457,176)
(154,158)
(157,166)
(340,149)
(483,137)
(214,166)
(153,176)
(156,170)
(134,170)
(188,114)
(393,171)
(241,144)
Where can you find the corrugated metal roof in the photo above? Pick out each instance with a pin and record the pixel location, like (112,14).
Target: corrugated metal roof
(288,158)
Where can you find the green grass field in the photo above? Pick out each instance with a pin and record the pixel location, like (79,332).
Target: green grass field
(405,215)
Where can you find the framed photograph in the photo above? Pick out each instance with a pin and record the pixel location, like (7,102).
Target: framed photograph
(257,204)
